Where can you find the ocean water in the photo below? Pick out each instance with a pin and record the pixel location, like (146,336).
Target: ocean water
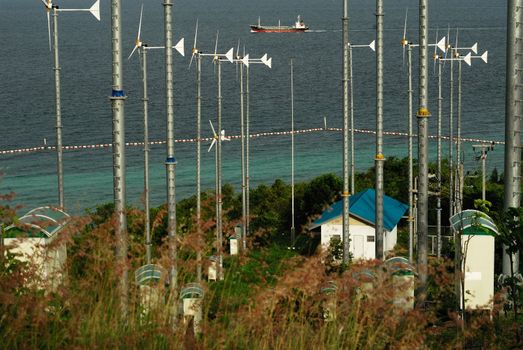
(27,90)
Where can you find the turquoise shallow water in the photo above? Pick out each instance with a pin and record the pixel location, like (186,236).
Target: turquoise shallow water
(27,91)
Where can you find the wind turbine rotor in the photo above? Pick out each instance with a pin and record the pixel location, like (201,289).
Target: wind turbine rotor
(194,47)
(138,43)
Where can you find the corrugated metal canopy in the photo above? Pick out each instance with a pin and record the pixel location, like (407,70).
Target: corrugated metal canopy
(473,222)
(43,222)
(362,206)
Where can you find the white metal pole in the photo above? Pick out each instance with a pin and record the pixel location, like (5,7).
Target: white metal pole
(170,162)
(292,155)
(146,157)
(117,101)
(59,148)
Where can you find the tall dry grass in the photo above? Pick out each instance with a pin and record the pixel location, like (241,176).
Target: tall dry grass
(269,299)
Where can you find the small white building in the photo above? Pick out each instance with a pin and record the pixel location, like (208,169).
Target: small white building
(478,233)
(361,223)
(34,238)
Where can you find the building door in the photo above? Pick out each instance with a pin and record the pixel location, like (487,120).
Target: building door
(357,243)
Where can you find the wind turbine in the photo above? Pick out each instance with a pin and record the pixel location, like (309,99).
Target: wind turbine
(142,50)
(52,7)
(405,43)
(352,166)
(246,61)
(217,58)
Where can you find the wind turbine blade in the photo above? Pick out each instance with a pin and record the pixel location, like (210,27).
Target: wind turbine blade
(216,44)
(238,49)
(213,131)
(140,24)
(190,63)
(132,52)
(484,57)
(435,51)
(195,35)
(447,47)
(230,55)
(212,144)
(45,3)
(404,39)
(372,46)
(468,59)
(269,63)
(180,47)
(405,24)
(264,58)
(95,10)
(49,28)
(474,48)
(245,60)
(457,34)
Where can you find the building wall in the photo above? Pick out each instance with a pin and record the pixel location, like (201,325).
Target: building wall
(362,244)
(479,271)
(50,261)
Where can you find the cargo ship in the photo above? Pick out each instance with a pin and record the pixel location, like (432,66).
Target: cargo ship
(299,26)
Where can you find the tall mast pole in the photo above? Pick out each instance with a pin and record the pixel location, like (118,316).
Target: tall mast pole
(410,155)
(451,139)
(351,102)
(379,158)
(198,164)
(247,150)
(345,194)
(59,149)
(423,115)
(219,171)
(146,157)
(170,162)
(242,127)
(513,102)
(438,204)
(459,166)
(117,102)
(292,155)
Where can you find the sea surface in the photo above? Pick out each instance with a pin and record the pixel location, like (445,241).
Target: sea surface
(27,98)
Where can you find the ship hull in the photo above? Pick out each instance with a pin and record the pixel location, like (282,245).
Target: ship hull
(277,29)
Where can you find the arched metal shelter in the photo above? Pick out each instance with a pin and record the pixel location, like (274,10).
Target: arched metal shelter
(473,222)
(41,222)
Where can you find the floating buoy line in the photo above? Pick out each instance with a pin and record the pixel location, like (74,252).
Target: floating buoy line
(232,137)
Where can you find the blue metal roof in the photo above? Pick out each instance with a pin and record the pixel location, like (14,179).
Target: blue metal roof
(362,206)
